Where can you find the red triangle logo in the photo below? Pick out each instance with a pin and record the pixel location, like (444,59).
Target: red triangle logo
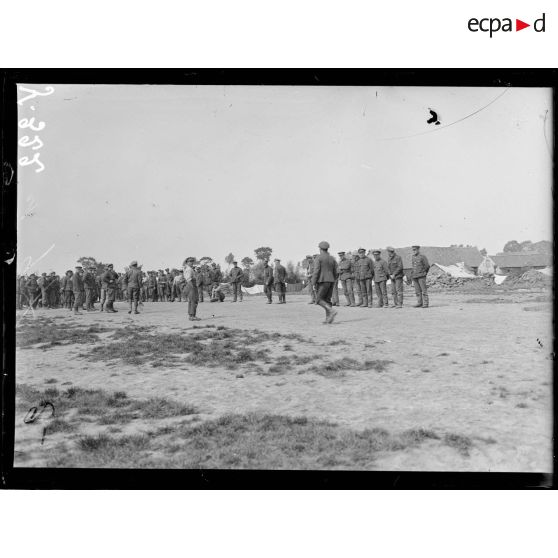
(519,25)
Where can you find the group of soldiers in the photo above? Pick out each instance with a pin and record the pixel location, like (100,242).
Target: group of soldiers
(356,275)
(82,288)
(52,291)
(358,272)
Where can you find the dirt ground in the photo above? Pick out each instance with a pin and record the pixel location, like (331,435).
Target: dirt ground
(475,365)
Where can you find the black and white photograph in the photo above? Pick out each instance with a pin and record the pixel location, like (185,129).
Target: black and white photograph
(317,277)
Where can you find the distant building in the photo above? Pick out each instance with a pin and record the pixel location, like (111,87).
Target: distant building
(516,263)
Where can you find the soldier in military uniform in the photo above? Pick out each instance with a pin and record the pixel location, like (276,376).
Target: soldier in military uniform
(381,275)
(395,264)
(346,275)
(52,290)
(268,281)
(42,283)
(309,272)
(324,276)
(420,270)
(33,290)
(236,275)
(161,286)
(78,289)
(198,275)
(89,285)
(207,280)
(216,276)
(151,286)
(177,286)
(279,276)
(191,288)
(134,281)
(109,279)
(363,275)
(66,289)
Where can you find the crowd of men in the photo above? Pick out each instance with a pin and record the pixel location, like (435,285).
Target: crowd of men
(81,289)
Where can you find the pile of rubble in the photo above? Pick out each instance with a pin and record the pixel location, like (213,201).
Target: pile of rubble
(448,282)
(529,279)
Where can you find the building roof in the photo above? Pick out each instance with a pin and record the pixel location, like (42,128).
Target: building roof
(445,255)
(522,259)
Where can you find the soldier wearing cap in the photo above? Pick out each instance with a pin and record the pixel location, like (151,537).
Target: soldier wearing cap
(33,290)
(151,286)
(191,288)
(268,281)
(236,275)
(53,288)
(309,272)
(108,282)
(279,277)
(381,275)
(161,286)
(78,289)
(89,285)
(324,276)
(420,269)
(363,275)
(395,264)
(134,282)
(42,282)
(346,275)
(66,290)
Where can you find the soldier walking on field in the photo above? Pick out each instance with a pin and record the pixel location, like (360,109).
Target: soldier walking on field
(236,281)
(134,283)
(346,275)
(191,289)
(363,276)
(325,274)
(268,281)
(420,270)
(279,276)
(381,275)
(395,264)
(32,290)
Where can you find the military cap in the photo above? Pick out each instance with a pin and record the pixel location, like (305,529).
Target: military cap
(43,273)
(52,273)
(235,262)
(340,253)
(133,263)
(191,259)
(361,250)
(323,245)
(390,249)
(79,267)
(308,257)
(415,246)
(277,260)
(315,256)
(92,267)
(376,251)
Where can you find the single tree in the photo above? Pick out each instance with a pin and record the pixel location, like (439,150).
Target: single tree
(512,246)
(247,262)
(230,259)
(263,253)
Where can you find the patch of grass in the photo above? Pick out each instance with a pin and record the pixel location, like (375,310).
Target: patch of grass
(462,444)
(288,347)
(337,342)
(443,354)
(105,407)
(202,347)
(251,441)
(48,333)
(51,381)
(522,405)
(337,368)
(61,425)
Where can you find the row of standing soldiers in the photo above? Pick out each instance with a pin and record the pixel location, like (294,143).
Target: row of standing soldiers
(52,291)
(357,272)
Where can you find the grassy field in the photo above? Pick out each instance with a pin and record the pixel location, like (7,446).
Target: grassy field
(462,386)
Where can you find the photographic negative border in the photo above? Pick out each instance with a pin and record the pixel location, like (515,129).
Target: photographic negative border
(216,479)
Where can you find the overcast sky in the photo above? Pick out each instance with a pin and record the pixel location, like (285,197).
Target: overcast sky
(158,173)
